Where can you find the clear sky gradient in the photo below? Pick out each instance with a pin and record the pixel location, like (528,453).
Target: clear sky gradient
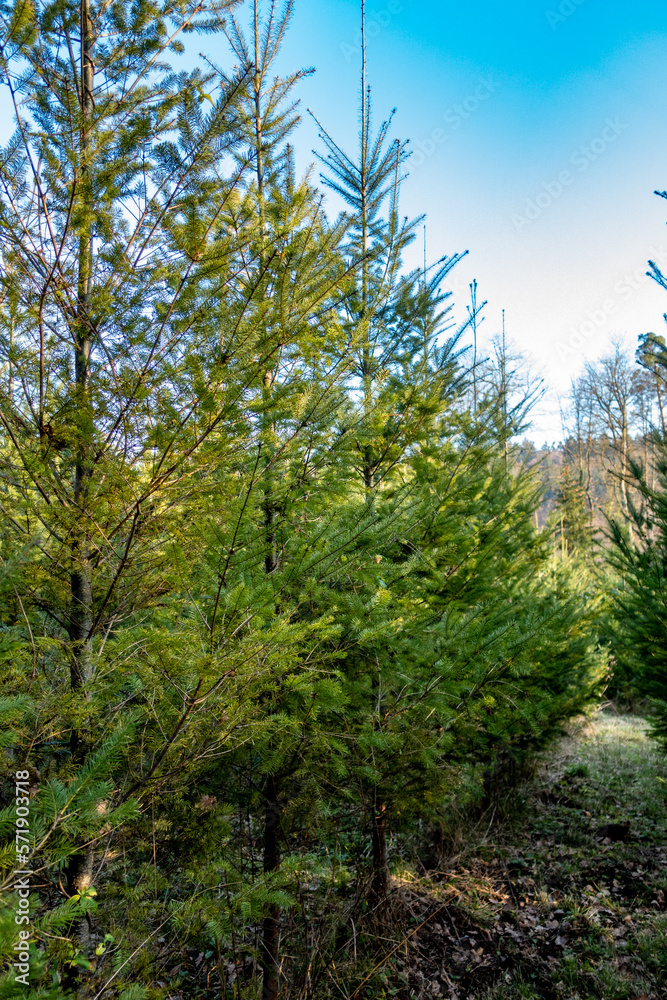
(539,130)
(539,133)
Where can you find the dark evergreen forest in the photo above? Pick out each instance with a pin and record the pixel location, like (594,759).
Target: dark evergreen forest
(293,616)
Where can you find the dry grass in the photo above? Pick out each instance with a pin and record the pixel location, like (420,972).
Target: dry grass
(564,902)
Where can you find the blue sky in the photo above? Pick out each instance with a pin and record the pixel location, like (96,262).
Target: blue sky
(539,130)
(539,133)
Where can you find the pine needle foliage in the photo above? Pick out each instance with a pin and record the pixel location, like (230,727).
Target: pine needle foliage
(269,588)
(639,597)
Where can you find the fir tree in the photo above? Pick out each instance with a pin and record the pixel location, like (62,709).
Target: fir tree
(641,609)
(572,515)
(113,250)
(402,376)
(264,573)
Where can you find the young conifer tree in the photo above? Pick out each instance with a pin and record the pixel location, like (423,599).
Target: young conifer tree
(492,624)
(402,377)
(213,407)
(640,557)
(268,546)
(269,120)
(116,247)
(640,605)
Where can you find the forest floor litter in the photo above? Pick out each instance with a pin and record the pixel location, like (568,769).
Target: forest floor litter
(566,901)
(563,898)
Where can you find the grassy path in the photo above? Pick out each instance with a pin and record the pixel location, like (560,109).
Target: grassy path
(592,871)
(566,903)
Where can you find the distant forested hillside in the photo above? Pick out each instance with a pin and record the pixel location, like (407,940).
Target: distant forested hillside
(278,590)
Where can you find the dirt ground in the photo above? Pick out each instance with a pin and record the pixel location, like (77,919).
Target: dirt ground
(563,898)
(565,902)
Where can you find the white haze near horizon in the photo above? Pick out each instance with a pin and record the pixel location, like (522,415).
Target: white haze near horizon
(548,186)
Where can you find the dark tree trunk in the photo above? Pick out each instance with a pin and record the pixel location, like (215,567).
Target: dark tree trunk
(79,868)
(271,926)
(379,875)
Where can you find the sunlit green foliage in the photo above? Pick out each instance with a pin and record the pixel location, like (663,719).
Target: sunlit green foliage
(267,581)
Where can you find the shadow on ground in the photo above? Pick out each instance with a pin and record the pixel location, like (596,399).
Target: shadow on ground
(567,903)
